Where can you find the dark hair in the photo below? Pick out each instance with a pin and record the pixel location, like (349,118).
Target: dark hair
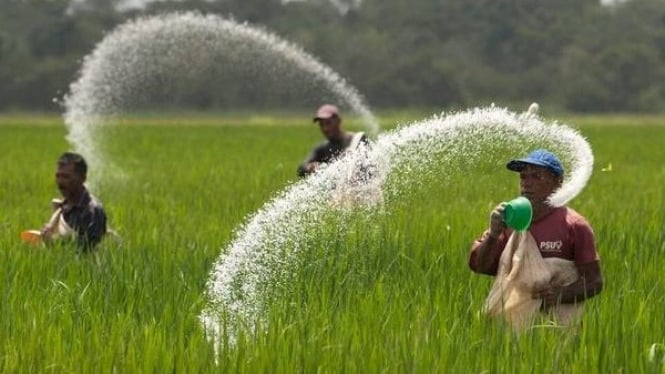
(80,166)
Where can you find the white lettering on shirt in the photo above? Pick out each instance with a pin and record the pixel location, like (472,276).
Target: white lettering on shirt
(551,246)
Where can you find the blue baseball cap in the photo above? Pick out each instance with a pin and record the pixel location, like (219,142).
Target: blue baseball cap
(539,157)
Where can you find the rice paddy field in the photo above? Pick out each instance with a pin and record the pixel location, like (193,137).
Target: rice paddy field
(381,293)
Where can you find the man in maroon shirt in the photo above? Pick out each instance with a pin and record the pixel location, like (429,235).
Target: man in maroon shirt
(559,232)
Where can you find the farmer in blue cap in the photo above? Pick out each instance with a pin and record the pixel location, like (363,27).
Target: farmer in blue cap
(560,234)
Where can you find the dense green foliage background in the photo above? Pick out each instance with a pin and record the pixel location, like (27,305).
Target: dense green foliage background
(390,294)
(575,55)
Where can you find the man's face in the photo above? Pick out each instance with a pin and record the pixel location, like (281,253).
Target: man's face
(537,183)
(330,127)
(69,182)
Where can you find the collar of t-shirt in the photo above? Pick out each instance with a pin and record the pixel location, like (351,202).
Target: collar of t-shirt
(83,201)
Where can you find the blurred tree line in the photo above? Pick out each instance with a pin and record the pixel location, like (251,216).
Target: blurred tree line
(576,55)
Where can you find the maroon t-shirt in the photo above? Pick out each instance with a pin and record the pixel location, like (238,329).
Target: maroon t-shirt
(563,233)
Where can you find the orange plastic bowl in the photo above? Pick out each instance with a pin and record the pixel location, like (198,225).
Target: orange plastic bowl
(33,237)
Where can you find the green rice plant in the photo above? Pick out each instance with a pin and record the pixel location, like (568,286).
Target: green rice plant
(388,291)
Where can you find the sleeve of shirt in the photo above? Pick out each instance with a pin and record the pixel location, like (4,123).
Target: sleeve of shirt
(314,155)
(92,228)
(584,243)
(494,252)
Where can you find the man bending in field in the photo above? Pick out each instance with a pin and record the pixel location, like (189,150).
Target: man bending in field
(553,267)
(79,216)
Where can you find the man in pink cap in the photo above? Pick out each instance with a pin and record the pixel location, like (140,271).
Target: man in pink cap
(338,140)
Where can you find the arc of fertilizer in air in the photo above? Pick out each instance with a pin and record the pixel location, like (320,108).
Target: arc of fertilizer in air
(139,51)
(271,239)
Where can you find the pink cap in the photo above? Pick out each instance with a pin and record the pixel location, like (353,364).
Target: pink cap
(326,111)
